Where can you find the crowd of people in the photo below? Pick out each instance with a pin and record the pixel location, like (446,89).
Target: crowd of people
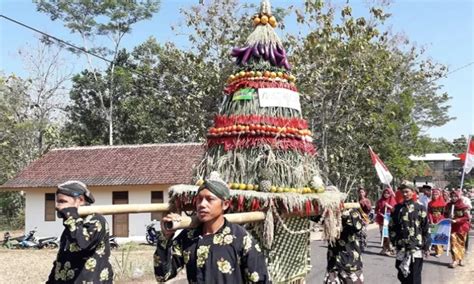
(412,211)
(220,252)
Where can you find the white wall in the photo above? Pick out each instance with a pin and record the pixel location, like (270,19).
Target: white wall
(35,203)
(34,214)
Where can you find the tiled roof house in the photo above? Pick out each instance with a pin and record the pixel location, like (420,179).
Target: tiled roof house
(114,174)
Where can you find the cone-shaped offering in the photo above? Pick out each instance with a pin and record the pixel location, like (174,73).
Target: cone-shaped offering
(262,148)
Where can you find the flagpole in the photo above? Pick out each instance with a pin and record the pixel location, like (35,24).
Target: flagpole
(465,159)
(383,225)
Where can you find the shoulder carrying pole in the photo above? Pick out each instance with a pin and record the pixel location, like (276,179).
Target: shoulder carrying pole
(186,222)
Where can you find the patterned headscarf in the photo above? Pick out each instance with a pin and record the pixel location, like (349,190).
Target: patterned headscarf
(218,188)
(438,202)
(459,204)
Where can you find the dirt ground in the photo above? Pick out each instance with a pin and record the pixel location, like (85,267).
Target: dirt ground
(131,264)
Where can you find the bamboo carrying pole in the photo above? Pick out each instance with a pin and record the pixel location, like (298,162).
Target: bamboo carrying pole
(238,218)
(185,222)
(124,208)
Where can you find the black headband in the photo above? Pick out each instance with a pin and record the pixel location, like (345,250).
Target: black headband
(76,189)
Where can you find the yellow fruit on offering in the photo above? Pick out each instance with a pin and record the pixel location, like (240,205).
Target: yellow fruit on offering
(273,75)
(255,187)
(242,73)
(250,187)
(235,186)
(242,186)
(273,189)
(287,189)
(279,189)
(272,21)
(256,20)
(258,74)
(264,19)
(199,182)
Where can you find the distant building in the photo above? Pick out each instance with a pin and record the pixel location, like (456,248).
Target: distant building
(441,167)
(114,174)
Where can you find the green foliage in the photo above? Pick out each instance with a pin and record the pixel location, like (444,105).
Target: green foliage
(12,212)
(93,19)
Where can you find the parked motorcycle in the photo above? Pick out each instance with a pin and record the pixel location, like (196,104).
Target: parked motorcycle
(113,242)
(151,234)
(49,242)
(31,241)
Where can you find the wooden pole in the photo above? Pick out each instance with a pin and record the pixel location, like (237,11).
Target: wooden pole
(185,222)
(239,218)
(123,208)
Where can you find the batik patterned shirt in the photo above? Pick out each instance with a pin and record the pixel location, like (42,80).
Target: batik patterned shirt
(230,255)
(84,250)
(409,228)
(345,253)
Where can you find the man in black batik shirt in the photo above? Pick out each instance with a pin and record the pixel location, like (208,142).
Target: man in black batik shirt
(215,252)
(344,256)
(84,250)
(410,234)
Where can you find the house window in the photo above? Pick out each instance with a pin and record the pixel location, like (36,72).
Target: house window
(156,197)
(49,207)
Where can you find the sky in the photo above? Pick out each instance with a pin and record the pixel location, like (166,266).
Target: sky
(443,28)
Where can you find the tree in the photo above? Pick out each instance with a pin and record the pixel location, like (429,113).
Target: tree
(17,143)
(363,88)
(95,19)
(30,110)
(46,86)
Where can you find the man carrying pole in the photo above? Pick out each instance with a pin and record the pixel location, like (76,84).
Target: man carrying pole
(216,251)
(84,250)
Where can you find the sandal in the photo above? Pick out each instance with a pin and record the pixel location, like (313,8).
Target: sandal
(453,264)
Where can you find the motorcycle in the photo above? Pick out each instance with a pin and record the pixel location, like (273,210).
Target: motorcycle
(151,234)
(48,242)
(113,242)
(31,241)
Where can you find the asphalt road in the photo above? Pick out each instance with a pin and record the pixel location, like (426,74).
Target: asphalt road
(381,269)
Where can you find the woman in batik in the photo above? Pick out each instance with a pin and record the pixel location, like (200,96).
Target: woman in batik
(458,211)
(384,205)
(365,207)
(436,213)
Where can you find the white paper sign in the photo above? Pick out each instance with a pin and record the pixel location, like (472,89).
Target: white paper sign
(279,97)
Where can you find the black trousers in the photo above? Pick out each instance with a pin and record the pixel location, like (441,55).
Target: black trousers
(415,272)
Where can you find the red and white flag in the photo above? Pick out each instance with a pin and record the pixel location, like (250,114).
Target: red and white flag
(384,175)
(469,160)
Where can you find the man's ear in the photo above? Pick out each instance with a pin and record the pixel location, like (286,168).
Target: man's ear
(225,204)
(80,200)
